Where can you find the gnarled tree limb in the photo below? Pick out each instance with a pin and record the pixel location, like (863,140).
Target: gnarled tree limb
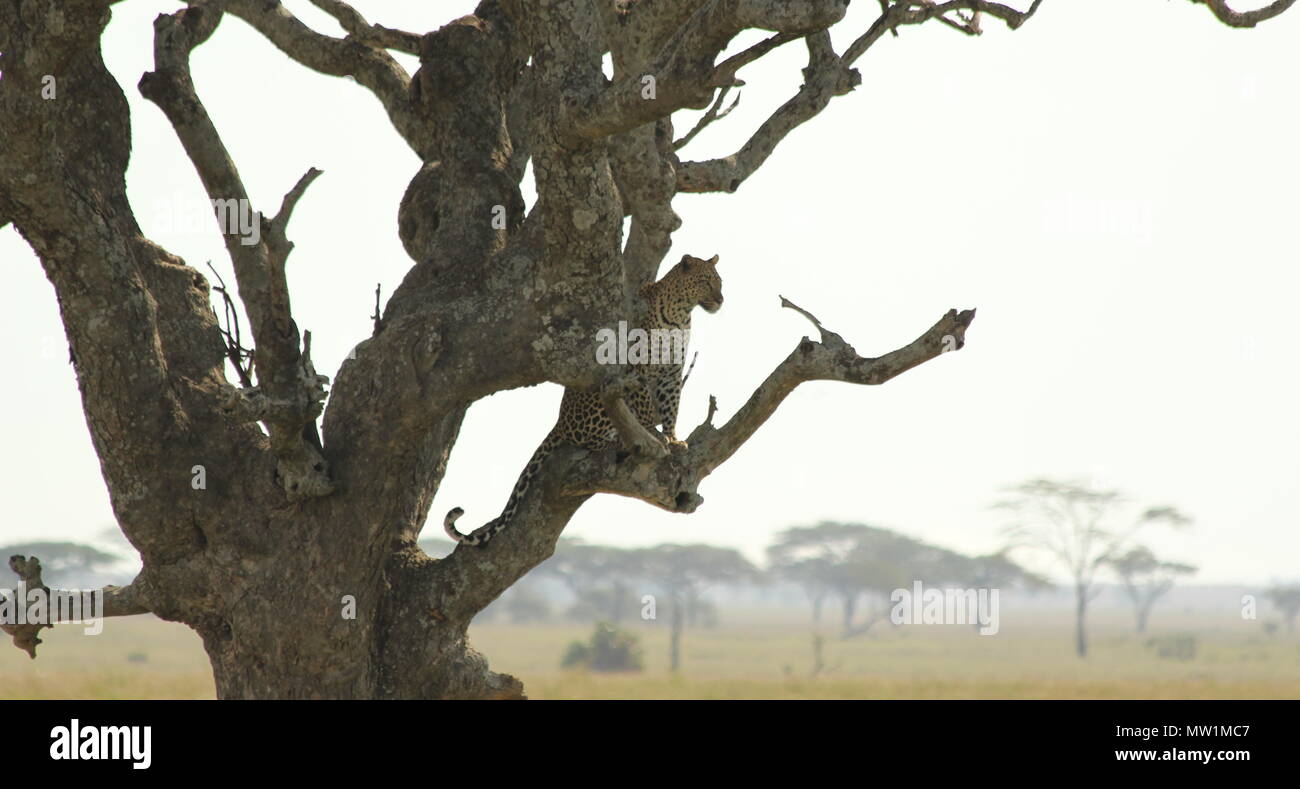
(828,75)
(672,484)
(117,601)
(1231,18)
(290,393)
(683,72)
(363,59)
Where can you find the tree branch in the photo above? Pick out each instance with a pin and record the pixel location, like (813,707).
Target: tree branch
(683,72)
(359,56)
(633,434)
(671,483)
(827,76)
(1233,18)
(371,35)
(117,601)
(290,393)
(712,115)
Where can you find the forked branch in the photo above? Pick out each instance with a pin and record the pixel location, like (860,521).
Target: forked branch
(672,482)
(290,394)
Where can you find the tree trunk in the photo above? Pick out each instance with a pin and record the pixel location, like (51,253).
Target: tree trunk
(1080,613)
(675,640)
(1143,614)
(619,603)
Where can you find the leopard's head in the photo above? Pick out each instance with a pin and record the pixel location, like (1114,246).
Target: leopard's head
(696,281)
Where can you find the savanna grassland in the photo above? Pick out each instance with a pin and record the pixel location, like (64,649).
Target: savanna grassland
(753,655)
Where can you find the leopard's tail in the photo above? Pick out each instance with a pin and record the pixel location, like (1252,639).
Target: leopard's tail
(489,530)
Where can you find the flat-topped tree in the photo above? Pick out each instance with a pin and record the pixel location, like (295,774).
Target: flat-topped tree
(317,499)
(1146,579)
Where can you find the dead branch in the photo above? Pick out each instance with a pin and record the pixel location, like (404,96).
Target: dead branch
(1232,18)
(354,56)
(683,72)
(289,394)
(370,35)
(671,483)
(633,434)
(239,356)
(710,116)
(826,76)
(117,600)
(829,75)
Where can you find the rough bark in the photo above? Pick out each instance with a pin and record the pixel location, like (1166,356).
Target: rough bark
(296,520)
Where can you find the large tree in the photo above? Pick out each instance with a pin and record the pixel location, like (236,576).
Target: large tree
(1146,579)
(684,573)
(1081,530)
(1287,599)
(305,503)
(602,578)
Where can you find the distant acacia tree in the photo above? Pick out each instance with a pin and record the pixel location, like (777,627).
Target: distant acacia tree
(1081,529)
(1146,579)
(807,557)
(1287,598)
(885,561)
(66,564)
(602,578)
(685,572)
(853,562)
(998,571)
(844,561)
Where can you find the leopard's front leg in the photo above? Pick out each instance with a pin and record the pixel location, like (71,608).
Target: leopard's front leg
(668,394)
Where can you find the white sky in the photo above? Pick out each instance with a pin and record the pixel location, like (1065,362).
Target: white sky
(1118,202)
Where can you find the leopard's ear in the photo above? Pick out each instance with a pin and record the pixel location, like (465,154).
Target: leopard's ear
(713,261)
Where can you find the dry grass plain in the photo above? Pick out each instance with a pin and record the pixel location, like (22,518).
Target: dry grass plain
(754,655)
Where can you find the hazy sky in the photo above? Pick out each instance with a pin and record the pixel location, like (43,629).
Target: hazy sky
(1119,203)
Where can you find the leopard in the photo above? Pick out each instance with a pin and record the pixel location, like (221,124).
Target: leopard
(583,420)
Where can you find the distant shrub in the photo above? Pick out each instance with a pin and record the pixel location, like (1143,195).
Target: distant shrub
(1179,647)
(608,650)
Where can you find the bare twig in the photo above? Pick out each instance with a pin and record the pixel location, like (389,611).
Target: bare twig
(709,117)
(829,75)
(238,355)
(829,338)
